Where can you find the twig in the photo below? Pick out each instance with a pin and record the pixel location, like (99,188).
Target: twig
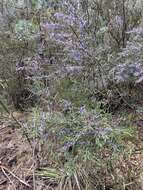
(126,185)
(34,183)
(3,168)
(2,128)
(77,181)
(8,177)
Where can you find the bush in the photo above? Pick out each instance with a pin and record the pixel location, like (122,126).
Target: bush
(81,145)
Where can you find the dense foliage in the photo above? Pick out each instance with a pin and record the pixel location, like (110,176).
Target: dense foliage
(74,64)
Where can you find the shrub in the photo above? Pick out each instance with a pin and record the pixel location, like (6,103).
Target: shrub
(81,145)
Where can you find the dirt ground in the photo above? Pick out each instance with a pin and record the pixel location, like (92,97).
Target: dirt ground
(17,163)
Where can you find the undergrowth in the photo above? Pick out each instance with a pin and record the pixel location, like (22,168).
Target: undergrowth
(85,149)
(74,91)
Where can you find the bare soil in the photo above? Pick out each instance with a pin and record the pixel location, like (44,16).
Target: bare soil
(17,163)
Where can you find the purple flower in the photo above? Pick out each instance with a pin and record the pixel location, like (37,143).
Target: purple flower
(52,26)
(20,68)
(119,20)
(75,55)
(137,31)
(60,15)
(82,109)
(82,23)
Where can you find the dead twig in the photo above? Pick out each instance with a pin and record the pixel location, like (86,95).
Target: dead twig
(34,181)
(4,170)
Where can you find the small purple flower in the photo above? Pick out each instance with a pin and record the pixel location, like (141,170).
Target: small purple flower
(52,26)
(82,23)
(75,55)
(59,15)
(20,68)
(137,31)
(82,109)
(119,20)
